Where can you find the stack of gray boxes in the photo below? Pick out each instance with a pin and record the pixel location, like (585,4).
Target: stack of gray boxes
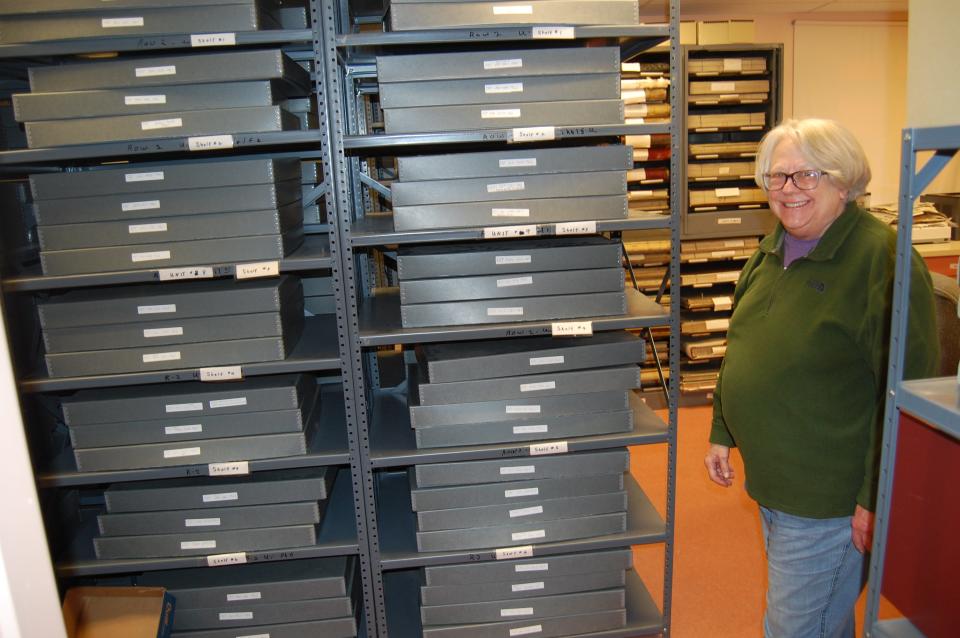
(510,281)
(292,599)
(438,92)
(479,392)
(45,20)
(140,99)
(149,216)
(191,423)
(468,505)
(186,325)
(429,14)
(210,516)
(551,595)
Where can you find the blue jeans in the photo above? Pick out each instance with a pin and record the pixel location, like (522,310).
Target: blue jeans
(815,576)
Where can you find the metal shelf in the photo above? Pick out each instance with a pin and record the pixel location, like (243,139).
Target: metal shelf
(398,549)
(655,33)
(392,442)
(385,142)
(146,43)
(313,254)
(380,322)
(327,446)
(316,350)
(143,148)
(336,536)
(899,628)
(377,230)
(934,401)
(403,608)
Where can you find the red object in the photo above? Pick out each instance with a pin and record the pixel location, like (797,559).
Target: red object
(923,555)
(945,265)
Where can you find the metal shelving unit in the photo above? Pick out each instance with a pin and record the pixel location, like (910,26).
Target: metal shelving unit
(936,402)
(385,443)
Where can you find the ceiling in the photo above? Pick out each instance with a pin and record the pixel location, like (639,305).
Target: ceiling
(747,8)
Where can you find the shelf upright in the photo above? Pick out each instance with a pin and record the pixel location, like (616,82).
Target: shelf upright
(934,401)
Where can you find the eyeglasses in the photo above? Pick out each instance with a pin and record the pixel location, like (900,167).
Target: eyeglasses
(804,180)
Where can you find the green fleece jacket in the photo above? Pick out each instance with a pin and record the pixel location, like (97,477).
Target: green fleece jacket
(802,384)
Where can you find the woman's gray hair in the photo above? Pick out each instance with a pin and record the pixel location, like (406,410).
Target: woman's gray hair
(828,146)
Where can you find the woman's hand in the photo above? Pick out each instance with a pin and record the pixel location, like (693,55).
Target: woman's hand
(718,465)
(862,529)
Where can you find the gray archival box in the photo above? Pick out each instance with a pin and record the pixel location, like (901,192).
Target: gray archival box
(451,14)
(204,543)
(256,615)
(543,161)
(521,587)
(531,608)
(558,282)
(542,628)
(429,119)
(517,409)
(543,566)
(224,518)
(333,628)
(510,493)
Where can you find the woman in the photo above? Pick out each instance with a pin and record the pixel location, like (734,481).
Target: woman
(801,388)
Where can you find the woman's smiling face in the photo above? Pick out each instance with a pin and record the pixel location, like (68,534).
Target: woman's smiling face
(804,214)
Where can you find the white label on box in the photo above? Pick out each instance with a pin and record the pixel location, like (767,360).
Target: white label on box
(527,491)
(547,361)
(728,220)
(499,114)
(134,229)
(134,100)
(229,468)
(518,469)
(220,497)
(180,452)
(170,122)
(182,407)
(526,511)
(532,567)
(219,560)
(183,429)
(717,324)
(504,187)
(157,310)
(153,176)
(191,272)
(722,87)
(576,228)
(221,373)
(506,87)
(722,303)
(509,63)
(209,142)
(514,10)
(732,65)
(533,134)
(718,349)
(727,192)
(516,611)
(531,429)
(154,71)
(536,387)
(514,281)
(162,356)
(509,232)
(249,595)
(509,553)
(115,23)
(201,522)
(526,631)
(525,536)
(228,403)
(510,212)
(517,162)
(211,544)
(535,586)
(503,260)
(554,447)
(213,40)
(505,312)
(571,328)
(149,204)
(259,269)
(151,333)
(522,409)
(553,33)
(235,615)
(253,636)
(156,255)
(728,276)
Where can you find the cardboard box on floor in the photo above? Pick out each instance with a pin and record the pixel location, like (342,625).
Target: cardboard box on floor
(118,612)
